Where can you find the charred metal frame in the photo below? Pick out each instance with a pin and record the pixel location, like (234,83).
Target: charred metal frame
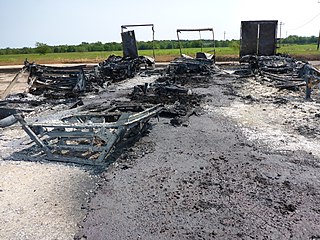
(198,30)
(142,25)
(68,79)
(86,142)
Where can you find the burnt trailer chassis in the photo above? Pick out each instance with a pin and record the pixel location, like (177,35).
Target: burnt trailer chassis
(86,138)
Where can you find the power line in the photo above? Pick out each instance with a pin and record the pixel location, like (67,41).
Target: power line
(306,22)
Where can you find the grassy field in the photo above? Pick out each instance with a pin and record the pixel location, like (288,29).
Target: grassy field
(306,52)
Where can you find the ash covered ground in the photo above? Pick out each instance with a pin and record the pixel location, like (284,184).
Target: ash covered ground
(242,162)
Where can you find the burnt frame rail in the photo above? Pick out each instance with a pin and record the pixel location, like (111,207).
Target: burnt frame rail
(198,30)
(62,142)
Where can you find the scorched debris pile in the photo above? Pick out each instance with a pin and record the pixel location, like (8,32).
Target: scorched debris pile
(82,130)
(55,81)
(116,68)
(174,88)
(185,65)
(283,72)
(60,82)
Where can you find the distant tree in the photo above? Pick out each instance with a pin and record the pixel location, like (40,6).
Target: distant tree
(81,48)
(24,50)
(56,49)
(142,45)
(97,46)
(42,48)
(195,44)
(107,47)
(63,48)
(235,44)
(116,46)
(71,48)
(9,51)
(294,39)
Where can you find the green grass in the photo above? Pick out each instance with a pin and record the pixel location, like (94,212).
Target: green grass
(82,57)
(299,49)
(226,53)
(191,51)
(55,57)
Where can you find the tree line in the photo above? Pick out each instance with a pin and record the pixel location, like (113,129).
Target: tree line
(294,39)
(42,48)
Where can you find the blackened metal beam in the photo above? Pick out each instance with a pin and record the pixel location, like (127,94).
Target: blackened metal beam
(198,30)
(195,30)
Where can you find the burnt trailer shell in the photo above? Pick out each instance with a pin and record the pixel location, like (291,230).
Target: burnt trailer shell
(129,44)
(258,38)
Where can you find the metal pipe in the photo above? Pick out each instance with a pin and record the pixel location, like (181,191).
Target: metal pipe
(318,42)
(179,42)
(198,30)
(154,55)
(214,47)
(308,88)
(195,30)
(201,40)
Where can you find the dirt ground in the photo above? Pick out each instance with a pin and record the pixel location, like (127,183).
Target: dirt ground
(247,167)
(5,79)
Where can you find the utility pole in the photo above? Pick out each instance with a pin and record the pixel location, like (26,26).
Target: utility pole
(319,35)
(318,42)
(281,24)
(224,35)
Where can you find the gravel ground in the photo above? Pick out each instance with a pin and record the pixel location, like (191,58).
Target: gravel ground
(42,200)
(39,200)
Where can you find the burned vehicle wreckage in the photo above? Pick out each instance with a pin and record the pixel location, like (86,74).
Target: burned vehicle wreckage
(198,147)
(258,46)
(47,80)
(283,72)
(89,130)
(85,135)
(86,130)
(116,68)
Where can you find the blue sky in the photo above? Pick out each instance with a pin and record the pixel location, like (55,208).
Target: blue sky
(23,23)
